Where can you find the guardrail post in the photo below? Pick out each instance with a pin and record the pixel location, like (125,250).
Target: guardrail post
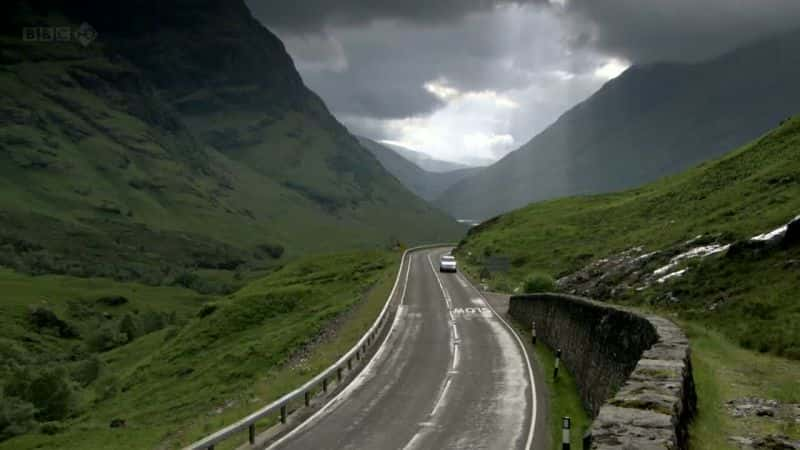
(283,413)
(533,332)
(338,374)
(349,364)
(325,384)
(565,425)
(251,431)
(307,396)
(558,360)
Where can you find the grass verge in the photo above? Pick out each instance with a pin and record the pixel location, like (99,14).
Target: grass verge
(723,371)
(563,398)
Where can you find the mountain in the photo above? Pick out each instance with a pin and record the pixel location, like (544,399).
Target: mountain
(182,136)
(427,162)
(626,245)
(426,184)
(683,248)
(651,121)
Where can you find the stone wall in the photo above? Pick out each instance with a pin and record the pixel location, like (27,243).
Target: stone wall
(633,371)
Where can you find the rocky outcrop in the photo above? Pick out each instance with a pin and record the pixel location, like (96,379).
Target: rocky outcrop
(633,371)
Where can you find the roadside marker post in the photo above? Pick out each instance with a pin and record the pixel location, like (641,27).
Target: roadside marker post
(565,425)
(558,361)
(533,332)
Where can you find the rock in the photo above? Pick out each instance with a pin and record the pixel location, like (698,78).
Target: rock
(112,300)
(118,423)
(769,442)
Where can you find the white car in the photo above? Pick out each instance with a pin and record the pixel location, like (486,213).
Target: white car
(447,263)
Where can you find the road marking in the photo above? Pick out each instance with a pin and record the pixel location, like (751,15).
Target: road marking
(441,397)
(482,311)
(532,428)
(362,376)
(455,331)
(413,442)
(441,286)
(455,357)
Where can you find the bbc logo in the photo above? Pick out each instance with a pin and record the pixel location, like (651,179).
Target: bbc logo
(84,35)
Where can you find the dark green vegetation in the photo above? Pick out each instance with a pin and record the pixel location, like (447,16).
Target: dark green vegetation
(539,282)
(652,121)
(145,367)
(739,308)
(426,184)
(176,144)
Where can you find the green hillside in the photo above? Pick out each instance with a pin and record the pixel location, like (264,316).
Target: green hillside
(140,155)
(171,364)
(738,307)
(748,192)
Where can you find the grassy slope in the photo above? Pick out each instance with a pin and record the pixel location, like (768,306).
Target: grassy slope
(177,384)
(92,155)
(747,192)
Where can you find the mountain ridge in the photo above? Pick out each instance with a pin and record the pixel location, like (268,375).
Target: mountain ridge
(682,113)
(426,184)
(168,149)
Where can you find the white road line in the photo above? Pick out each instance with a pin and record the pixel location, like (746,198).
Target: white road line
(413,442)
(455,357)
(441,397)
(532,428)
(362,376)
(455,331)
(441,286)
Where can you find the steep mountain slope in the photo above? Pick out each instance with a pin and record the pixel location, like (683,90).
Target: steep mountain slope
(651,121)
(183,136)
(747,290)
(426,184)
(426,162)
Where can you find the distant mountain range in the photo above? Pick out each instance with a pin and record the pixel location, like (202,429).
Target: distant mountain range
(426,183)
(652,121)
(431,164)
(178,137)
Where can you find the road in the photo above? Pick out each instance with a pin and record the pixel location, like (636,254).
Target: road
(450,375)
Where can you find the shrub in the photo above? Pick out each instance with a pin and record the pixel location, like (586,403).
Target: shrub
(86,371)
(49,391)
(539,282)
(44,318)
(105,339)
(129,328)
(16,416)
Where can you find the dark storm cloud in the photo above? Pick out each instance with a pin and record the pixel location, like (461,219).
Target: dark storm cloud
(312,15)
(678,30)
(379,69)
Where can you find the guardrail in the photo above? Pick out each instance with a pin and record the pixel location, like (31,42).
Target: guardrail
(356,353)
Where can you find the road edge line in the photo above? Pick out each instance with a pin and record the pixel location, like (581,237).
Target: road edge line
(534,409)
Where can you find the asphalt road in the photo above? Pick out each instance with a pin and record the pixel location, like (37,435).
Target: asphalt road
(450,375)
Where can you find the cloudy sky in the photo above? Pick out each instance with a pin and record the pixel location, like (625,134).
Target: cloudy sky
(471,80)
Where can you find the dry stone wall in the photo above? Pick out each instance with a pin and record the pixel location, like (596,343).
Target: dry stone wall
(633,371)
